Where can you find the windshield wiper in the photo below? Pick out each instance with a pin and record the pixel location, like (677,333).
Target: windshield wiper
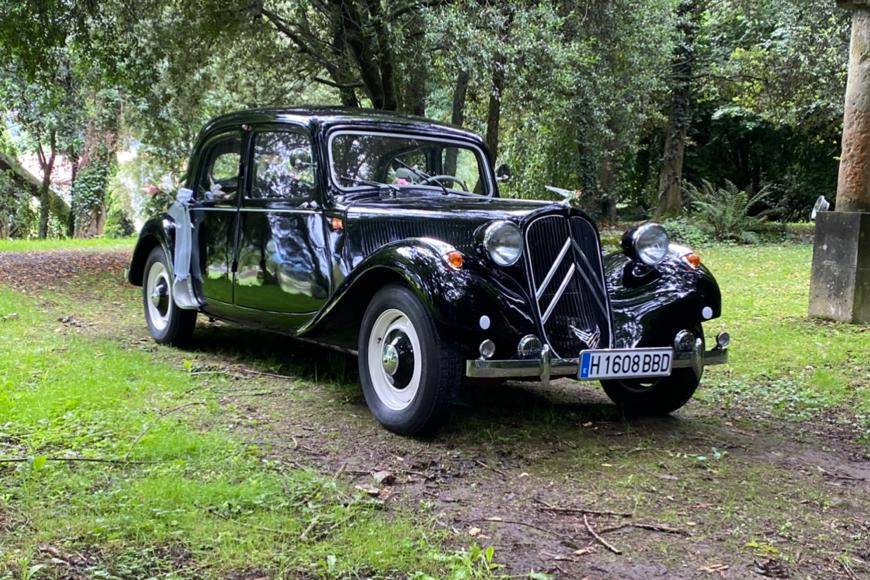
(423,174)
(377,184)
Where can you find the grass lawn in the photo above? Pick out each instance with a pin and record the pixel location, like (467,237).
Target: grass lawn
(10,245)
(74,409)
(782,360)
(125,459)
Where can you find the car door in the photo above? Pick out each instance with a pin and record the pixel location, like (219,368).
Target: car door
(215,213)
(283,260)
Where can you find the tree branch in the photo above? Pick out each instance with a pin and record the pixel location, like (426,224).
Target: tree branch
(337,85)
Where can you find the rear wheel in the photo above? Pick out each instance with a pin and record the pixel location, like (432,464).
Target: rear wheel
(409,375)
(167,323)
(656,397)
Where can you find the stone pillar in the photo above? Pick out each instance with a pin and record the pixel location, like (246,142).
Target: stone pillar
(840,287)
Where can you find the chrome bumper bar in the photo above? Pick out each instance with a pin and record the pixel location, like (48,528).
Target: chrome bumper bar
(547,367)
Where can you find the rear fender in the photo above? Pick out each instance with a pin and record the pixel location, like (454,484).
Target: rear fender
(157,231)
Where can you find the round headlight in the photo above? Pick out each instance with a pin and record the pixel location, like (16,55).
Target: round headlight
(503,242)
(648,243)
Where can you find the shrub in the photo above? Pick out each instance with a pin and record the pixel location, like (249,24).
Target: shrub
(685,231)
(17,217)
(118,224)
(727,210)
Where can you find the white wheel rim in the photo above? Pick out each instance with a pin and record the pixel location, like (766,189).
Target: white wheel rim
(394,371)
(158,293)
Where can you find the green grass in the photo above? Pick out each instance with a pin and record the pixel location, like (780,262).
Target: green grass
(202,502)
(193,500)
(8,245)
(781,360)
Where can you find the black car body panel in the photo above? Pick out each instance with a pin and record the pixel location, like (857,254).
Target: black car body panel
(310,269)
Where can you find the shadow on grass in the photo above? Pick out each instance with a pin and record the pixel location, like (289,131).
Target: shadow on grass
(519,409)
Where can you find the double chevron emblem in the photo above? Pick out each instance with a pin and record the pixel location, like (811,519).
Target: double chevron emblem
(591,339)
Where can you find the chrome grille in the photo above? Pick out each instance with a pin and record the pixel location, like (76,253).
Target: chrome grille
(567,284)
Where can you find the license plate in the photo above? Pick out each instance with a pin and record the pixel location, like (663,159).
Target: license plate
(626,363)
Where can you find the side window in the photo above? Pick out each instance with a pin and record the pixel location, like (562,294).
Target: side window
(282,168)
(462,163)
(219,179)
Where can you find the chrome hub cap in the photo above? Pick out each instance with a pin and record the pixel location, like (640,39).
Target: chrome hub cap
(159,303)
(391,359)
(394,359)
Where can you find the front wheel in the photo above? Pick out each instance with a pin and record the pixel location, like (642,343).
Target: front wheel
(167,323)
(409,375)
(653,397)
(656,397)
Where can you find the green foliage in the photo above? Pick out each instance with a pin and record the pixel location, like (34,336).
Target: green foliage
(685,230)
(17,218)
(118,223)
(89,191)
(727,210)
(583,104)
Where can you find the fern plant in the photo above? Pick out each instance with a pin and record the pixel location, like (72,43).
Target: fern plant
(725,210)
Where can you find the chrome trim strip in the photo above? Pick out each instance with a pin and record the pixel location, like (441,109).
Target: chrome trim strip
(484,369)
(257,210)
(271,210)
(558,296)
(717,356)
(589,283)
(558,262)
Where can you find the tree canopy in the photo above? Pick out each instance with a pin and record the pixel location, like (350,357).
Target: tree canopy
(628,101)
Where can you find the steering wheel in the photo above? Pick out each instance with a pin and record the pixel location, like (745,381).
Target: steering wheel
(442,178)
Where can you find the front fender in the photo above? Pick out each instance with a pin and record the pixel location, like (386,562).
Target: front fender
(650,305)
(156,231)
(456,299)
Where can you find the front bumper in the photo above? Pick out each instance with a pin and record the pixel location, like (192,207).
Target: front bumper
(545,367)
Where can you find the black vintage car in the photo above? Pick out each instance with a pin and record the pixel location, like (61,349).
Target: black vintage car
(385,236)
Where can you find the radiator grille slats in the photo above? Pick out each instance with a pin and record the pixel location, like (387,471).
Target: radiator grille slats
(578,316)
(378,233)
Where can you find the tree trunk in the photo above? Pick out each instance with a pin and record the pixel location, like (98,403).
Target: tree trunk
(457,117)
(415,89)
(44,204)
(853,183)
(93,170)
(607,183)
(71,219)
(45,197)
(493,115)
(682,69)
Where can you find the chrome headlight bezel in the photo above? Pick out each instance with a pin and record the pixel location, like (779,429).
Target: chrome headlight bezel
(648,243)
(503,242)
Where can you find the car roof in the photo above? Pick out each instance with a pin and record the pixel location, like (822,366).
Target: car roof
(331,117)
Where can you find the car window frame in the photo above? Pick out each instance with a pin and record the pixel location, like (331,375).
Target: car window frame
(301,130)
(205,163)
(482,158)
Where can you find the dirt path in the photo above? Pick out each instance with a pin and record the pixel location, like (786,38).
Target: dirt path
(707,492)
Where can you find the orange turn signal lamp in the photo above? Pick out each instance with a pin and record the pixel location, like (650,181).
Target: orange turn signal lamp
(693,259)
(455,259)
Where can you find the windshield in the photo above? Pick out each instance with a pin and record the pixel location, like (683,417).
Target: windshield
(398,163)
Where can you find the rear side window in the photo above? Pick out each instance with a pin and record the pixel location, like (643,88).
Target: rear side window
(219,179)
(282,168)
